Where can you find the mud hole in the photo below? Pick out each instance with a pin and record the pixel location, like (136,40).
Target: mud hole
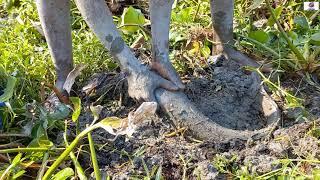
(222,91)
(229,96)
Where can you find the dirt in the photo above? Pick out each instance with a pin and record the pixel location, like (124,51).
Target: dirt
(180,156)
(308,92)
(229,96)
(224,90)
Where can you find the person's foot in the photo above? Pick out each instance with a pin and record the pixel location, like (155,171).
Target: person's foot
(143,83)
(166,70)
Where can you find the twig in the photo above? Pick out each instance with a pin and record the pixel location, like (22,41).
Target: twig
(13,135)
(10,145)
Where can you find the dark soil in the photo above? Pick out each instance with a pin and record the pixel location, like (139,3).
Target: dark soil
(309,92)
(229,96)
(225,91)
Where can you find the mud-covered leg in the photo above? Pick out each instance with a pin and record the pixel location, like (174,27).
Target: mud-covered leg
(55,21)
(222,20)
(142,82)
(160,13)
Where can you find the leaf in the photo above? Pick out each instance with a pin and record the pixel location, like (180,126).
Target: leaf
(96,110)
(17,159)
(205,51)
(41,142)
(315,39)
(259,35)
(277,13)
(185,15)
(315,132)
(61,112)
(144,111)
(37,131)
(316,174)
(293,35)
(18,174)
(8,4)
(195,48)
(63,174)
(13,164)
(72,77)
(177,36)
(131,19)
(301,22)
(110,123)
(2,72)
(8,91)
(256,4)
(76,101)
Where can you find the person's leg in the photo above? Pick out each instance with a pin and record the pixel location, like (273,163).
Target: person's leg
(55,20)
(222,21)
(141,81)
(160,13)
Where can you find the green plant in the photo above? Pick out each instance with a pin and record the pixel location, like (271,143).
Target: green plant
(289,35)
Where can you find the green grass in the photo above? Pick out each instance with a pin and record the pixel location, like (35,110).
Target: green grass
(24,52)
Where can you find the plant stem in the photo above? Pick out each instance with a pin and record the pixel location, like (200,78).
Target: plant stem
(43,166)
(67,151)
(94,158)
(197,12)
(79,169)
(77,127)
(293,48)
(27,150)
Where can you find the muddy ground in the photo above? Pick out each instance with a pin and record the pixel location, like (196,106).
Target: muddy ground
(222,90)
(229,95)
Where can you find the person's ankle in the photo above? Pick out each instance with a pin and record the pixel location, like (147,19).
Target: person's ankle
(59,85)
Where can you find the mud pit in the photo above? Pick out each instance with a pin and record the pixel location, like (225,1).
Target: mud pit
(228,95)
(214,93)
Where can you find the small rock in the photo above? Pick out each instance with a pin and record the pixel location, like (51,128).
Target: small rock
(276,148)
(260,164)
(205,170)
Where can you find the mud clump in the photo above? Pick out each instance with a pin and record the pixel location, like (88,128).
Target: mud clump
(228,95)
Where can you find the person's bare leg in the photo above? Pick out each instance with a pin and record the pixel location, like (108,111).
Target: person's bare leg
(222,20)
(160,13)
(141,81)
(55,21)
